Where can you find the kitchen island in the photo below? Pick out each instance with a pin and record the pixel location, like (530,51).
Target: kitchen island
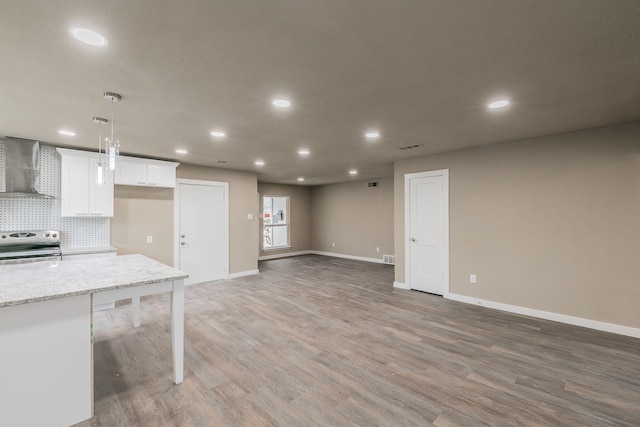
(46,344)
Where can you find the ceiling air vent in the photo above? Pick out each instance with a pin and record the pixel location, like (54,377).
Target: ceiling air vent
(372,184)
(409,147)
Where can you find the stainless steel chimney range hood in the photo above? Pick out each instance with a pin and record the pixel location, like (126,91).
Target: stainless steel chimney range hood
(22,168)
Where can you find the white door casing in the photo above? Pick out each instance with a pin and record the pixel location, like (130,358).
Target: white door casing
(201,229)
(427,231)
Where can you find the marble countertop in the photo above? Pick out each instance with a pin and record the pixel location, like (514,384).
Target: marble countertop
(86,250)
(45,280)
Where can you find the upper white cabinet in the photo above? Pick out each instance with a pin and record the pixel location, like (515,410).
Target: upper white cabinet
(80,195)
(145,172)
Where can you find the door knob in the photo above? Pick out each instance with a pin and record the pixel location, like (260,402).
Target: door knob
(183,243)
(413,239)
(182,236)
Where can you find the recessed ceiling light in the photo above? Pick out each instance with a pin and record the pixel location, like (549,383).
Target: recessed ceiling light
(218,134)
(372,135)
(300,179)
(88,36)
(66,132)
(259,163)
(500,103)
(353,172)
(181,151)
(281,103)
(303,152)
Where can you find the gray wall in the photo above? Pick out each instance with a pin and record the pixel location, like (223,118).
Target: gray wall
(139,212)
(146,211)
(551,223)
(243,200)
(354,217)
(299,214)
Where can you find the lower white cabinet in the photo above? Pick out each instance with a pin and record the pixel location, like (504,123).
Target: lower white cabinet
(46,362)
(145,172)
(80,194)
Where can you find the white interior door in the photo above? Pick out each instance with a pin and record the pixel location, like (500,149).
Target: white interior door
(427,251)
(202,230)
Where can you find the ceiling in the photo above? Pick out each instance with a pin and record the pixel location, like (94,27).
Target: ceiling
(419,72)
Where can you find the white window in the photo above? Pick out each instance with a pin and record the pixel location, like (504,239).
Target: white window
(275,222)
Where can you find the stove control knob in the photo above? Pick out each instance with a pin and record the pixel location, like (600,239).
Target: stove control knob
(55,235)
(4,236)
(46,235)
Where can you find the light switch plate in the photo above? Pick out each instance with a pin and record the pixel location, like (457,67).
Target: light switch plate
(249,216)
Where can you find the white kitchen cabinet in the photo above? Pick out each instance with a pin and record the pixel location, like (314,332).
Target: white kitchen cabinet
(80,195)
(145,172)
(46,362)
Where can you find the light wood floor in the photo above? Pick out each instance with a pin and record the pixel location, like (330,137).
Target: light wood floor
(317,341)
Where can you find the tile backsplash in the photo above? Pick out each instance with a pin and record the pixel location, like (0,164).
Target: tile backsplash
(17,214)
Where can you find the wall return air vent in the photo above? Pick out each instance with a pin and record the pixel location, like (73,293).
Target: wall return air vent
(389,259)
(409,147)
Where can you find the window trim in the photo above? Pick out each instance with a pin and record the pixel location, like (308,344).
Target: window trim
(287,224)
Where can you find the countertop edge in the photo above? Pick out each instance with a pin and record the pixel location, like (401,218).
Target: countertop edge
(85,291)
(81,250)
(48,280)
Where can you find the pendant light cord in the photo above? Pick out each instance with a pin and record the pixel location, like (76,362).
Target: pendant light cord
(112,119)
(100,142)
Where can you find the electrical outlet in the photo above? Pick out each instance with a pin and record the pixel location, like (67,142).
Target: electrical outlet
(377,249)
(149,239)
(472,278)
(333,244)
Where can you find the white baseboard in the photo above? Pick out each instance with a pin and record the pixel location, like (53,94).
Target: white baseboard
(357,258)
(283,255)
(331,254)
(547,315)
(242,274)
(400,285)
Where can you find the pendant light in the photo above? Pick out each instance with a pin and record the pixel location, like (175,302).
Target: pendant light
(112,146)
(100,165)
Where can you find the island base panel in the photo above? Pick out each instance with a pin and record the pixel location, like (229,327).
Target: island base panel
(47,375)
